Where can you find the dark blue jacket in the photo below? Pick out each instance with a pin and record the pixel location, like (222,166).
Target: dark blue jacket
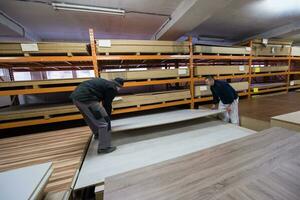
(223,91)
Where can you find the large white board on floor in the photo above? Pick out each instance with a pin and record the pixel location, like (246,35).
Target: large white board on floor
(145,121)
(24,183)
(182,141)
(289,121)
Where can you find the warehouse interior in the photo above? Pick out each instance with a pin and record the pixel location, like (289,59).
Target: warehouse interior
(144,100)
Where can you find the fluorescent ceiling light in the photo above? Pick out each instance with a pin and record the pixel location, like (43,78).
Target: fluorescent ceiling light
(82,8)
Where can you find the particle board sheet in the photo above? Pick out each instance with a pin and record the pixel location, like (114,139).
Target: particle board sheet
(184,139)
(160,119)
(295,51)
(25,183)
(221,70)
(270,69)
(146,74)
(141,46)
(204,90)
(45,48)
(267,85)
(42,83)
(64,148)
(265,165)
(222,50)
(289,120)
(151,98)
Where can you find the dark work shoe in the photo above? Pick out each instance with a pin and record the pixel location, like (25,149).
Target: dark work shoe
(107,150)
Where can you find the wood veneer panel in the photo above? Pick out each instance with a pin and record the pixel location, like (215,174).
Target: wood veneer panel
(253,162)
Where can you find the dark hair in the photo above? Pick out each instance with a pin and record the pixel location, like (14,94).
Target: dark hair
(209,77)
(119,82)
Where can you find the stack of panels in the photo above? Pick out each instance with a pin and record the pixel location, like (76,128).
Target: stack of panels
(45,48)
(146,74)
(272,48)
(267,85)
(295,51)
(295,82)
(142,46)
(151,98)
(221,70)
(203,90)
(222,50)
(270,69)
(64,148)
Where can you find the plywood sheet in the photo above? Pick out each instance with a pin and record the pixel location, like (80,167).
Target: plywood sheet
(261,50)
(204,90)
(25,183)
(182,141)
(220,70)
(221,50)
(160,119)
(146,74)
(259,166)
(144,46)
(267,85)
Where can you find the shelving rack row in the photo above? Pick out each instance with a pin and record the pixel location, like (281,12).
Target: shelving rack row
(184,66)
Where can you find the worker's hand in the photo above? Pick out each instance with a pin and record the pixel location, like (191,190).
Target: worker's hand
(118,99)
(228,109)
(214,107)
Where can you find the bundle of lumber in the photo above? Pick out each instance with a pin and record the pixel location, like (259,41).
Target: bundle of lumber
(295,51)
(141,46)
(146,74)
(204,90)
(220,70)
(43,48)
(267,85)
(295,82)
(221,50)
(64,148)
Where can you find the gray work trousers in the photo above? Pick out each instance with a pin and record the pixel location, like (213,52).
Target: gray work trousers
(94,115)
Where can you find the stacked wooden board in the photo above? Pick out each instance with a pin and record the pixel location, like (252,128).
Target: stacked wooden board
(221,70)
(221,50)
(294,82)
(270,69)
(265,165)
(147,74)
(295,51)
(151,98)
(141,46)
(64,148)
(289,121)
(204,90)
(43,48)
(29,181)
(271,48)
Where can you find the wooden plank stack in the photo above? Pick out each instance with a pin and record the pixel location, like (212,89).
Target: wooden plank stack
(295,51)
(45,48)
(271,48)
(146,74)
(221,70)
(142,46)
(64,148)
(270,69)
(204,90)
(221,50)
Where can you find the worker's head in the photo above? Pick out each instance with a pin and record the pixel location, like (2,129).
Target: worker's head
(209,80)
(119,82)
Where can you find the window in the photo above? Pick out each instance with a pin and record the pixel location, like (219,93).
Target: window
(22,76)
(85,73)
(59,74)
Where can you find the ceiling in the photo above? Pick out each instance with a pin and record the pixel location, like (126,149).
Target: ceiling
(224,22)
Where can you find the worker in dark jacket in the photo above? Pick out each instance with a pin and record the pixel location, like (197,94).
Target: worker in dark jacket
(226,97)
(87,97)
